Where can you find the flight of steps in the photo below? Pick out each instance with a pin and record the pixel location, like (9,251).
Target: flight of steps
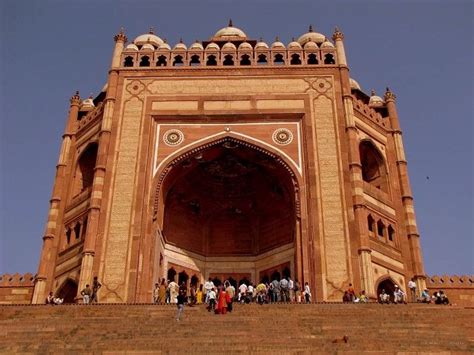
(269,329)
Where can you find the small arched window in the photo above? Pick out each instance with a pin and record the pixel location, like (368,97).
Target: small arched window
(245,60)
(262,59)
(195,60)
(84,176)
(68,236)
(329,59)
(391,233)
(77,231)
(312,59)
(380,229)
(128,62)
(278,59)
(211,60)
(161,62)
(370,223)
(374,171)
(178,61)
(295,59)
(228,60)
(145,61)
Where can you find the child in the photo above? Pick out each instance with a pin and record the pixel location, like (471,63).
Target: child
(212,300)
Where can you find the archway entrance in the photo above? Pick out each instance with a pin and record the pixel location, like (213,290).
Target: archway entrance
(68,291)
(389,286)
(229,209)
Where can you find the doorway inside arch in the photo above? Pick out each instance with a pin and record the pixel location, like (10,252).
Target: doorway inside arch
(389,286)
(230,206)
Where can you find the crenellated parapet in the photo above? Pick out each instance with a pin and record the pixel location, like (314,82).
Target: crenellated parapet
(17,280)
(450,281)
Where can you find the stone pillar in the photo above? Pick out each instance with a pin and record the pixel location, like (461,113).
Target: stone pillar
(355,167)
(407,196)
(44,278)
(99,170)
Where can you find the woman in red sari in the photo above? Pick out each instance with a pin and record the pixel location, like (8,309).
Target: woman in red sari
(221,301)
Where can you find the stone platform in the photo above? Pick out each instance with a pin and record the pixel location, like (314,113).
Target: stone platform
(269,329)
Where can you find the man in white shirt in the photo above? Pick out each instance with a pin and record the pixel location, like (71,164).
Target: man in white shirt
(208,286)
(412,287)
(212,299)
(398,295)
(242,292)
(291,288)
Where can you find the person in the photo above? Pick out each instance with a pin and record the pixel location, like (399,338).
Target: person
(441,298)
(221,301)
(208,286)
(58,300)
(261,291)
(162,291)
(250,293)
(412,288)
(242,292)
(425,296)
(211,300)
(50,298)
(297,291)
(291,289)
(96,285)
(307,292)
(398,295)
(351,293)
(363,297)
(86,294)
(285,292)
(180,301)
(168,292)
(230,290)
(275,290)
(192,295)
(346,298)
(156,293)
(384,297)
(174,291)
(199,295)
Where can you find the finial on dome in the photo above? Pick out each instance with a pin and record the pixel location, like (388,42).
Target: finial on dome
(389,95)
(372,92)
(165,40)
(181,40)
(151,30)
(338,35)
(260,39)
(292,39)
(230,23)
(120,36)
(277,39)
(310,29)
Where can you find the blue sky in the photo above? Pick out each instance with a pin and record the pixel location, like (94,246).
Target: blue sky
(423,50)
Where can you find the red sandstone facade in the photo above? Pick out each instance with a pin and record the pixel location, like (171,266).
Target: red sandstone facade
(230,158)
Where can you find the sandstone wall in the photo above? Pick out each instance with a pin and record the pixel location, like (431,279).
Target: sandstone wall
(16,289)
(460,289)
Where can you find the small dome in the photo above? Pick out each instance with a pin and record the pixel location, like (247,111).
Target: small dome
(245,46)
(147,46)
(294,45)
(212,46)
(310,45)
(354,84)
(261,45)
(148,38)
(327,44)
(229,46)
(165,46)
(180,46)
(131,47)
(375,101)
(196,46)
(311,36)
(87,104)
(278,45)
(230,33)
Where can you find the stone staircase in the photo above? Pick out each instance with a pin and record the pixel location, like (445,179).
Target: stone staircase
(270,329)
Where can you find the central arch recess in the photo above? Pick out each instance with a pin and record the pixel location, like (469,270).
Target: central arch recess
(228,208)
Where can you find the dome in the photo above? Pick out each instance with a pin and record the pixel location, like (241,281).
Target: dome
(229,46)
(311,36)
(278,45)
(294,45)
(131,47)
(180,46)
(375,101)
(164,46)
(212,46)
(230,33)
(310,45)
(196,46)
(327,44)
(354,84)
(147,46)
(87,104)
(244,46)
(261,45)
(148,38)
